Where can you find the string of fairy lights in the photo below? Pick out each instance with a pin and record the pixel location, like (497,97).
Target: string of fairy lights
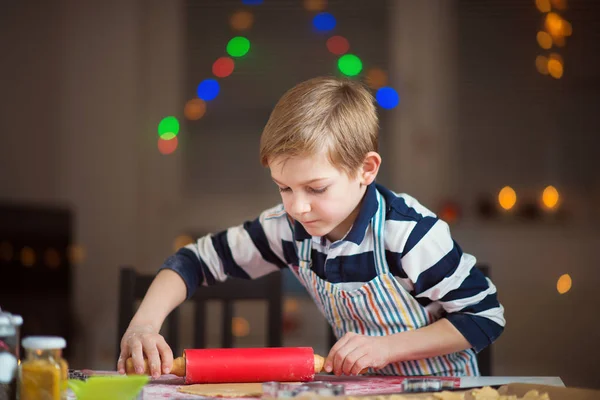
(349,65)
(552,37)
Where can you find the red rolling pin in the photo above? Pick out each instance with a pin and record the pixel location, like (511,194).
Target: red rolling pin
(281,364)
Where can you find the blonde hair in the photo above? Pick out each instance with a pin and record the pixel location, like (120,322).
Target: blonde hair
(324,113)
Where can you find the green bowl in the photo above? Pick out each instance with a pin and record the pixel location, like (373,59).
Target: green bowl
(116,387)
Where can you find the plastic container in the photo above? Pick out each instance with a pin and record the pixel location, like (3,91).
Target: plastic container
(10,325)
(43,373)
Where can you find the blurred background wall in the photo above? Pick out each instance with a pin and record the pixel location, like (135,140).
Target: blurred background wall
(85,85)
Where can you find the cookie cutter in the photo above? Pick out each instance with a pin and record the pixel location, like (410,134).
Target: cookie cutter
(416,385)
(273,390)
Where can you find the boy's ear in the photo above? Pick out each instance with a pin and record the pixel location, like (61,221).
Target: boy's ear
(370,168)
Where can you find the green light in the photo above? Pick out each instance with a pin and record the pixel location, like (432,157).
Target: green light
(350,65)
(238,46)
(168,128)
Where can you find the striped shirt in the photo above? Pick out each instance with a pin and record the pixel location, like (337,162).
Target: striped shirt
(419,250)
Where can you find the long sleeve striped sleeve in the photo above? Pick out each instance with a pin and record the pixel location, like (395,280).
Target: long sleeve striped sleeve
(442,274)
(248,251)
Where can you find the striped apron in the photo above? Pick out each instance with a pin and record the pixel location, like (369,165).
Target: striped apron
(380,307)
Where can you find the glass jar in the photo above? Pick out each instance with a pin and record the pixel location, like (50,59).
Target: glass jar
(43,372)
(10,326)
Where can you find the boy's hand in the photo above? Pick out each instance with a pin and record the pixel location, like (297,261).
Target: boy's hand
(144,339)
(354,352)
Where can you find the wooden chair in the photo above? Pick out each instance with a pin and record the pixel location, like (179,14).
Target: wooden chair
(133,286)
(484,357)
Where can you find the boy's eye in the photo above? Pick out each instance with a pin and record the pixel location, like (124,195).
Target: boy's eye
(286,189)
(319,190)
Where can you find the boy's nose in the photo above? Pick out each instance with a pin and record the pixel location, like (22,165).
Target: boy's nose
(300,207)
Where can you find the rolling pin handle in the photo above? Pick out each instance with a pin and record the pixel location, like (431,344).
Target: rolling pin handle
(178,368)
(320,361)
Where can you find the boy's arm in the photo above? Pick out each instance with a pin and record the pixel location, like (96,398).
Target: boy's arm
(166,292)
(442,274)
(247,251)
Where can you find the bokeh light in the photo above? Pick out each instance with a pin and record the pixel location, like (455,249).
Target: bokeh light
(290,305)
(324,21)
(223,67)
(208,89)
(541,64)
(544,40)
(507,198)
(543,5)
(555,68)
(550,197)
(194,109)
(181,241)
(449,212)
(168,128)
(240,327)
(238,46)
(242,20)
(559,4)
(387,97)
(167,147)
(350,65)
(252,2)
(315,5)
(338,45)
(52,258)
(27,257)
(376,78)
(76,253)
(564,284)
(555,24)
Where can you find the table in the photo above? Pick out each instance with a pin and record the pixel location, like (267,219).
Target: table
(166,386)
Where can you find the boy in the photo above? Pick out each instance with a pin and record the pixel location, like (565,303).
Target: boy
(400,294)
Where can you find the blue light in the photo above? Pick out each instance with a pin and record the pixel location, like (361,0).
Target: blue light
(324,21)
(252,2)
(387,97)
(208,89)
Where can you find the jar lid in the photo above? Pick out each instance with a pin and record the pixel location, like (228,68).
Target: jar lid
(44,342)
(9,322)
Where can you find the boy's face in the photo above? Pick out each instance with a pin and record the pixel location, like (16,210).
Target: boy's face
(321,197)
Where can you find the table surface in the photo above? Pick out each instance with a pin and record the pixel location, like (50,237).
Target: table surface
(166,386)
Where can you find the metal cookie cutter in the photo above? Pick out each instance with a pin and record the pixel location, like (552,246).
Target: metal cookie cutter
(426,385)
(273,390)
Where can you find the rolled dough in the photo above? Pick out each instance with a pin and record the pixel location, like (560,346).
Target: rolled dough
(224,389)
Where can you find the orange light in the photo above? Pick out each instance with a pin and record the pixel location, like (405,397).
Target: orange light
(27,256)
(544,40)
(449,213)
(76,253)
(194,109)
(240,327)
(290,305)
(564,284)
(550,197)
(555,68)
(554,24)
(541,64)
(507,198)
(543,5)
(376,78)
(181,241)
(315,5)
(242,20)
(559,4)
(52,258)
